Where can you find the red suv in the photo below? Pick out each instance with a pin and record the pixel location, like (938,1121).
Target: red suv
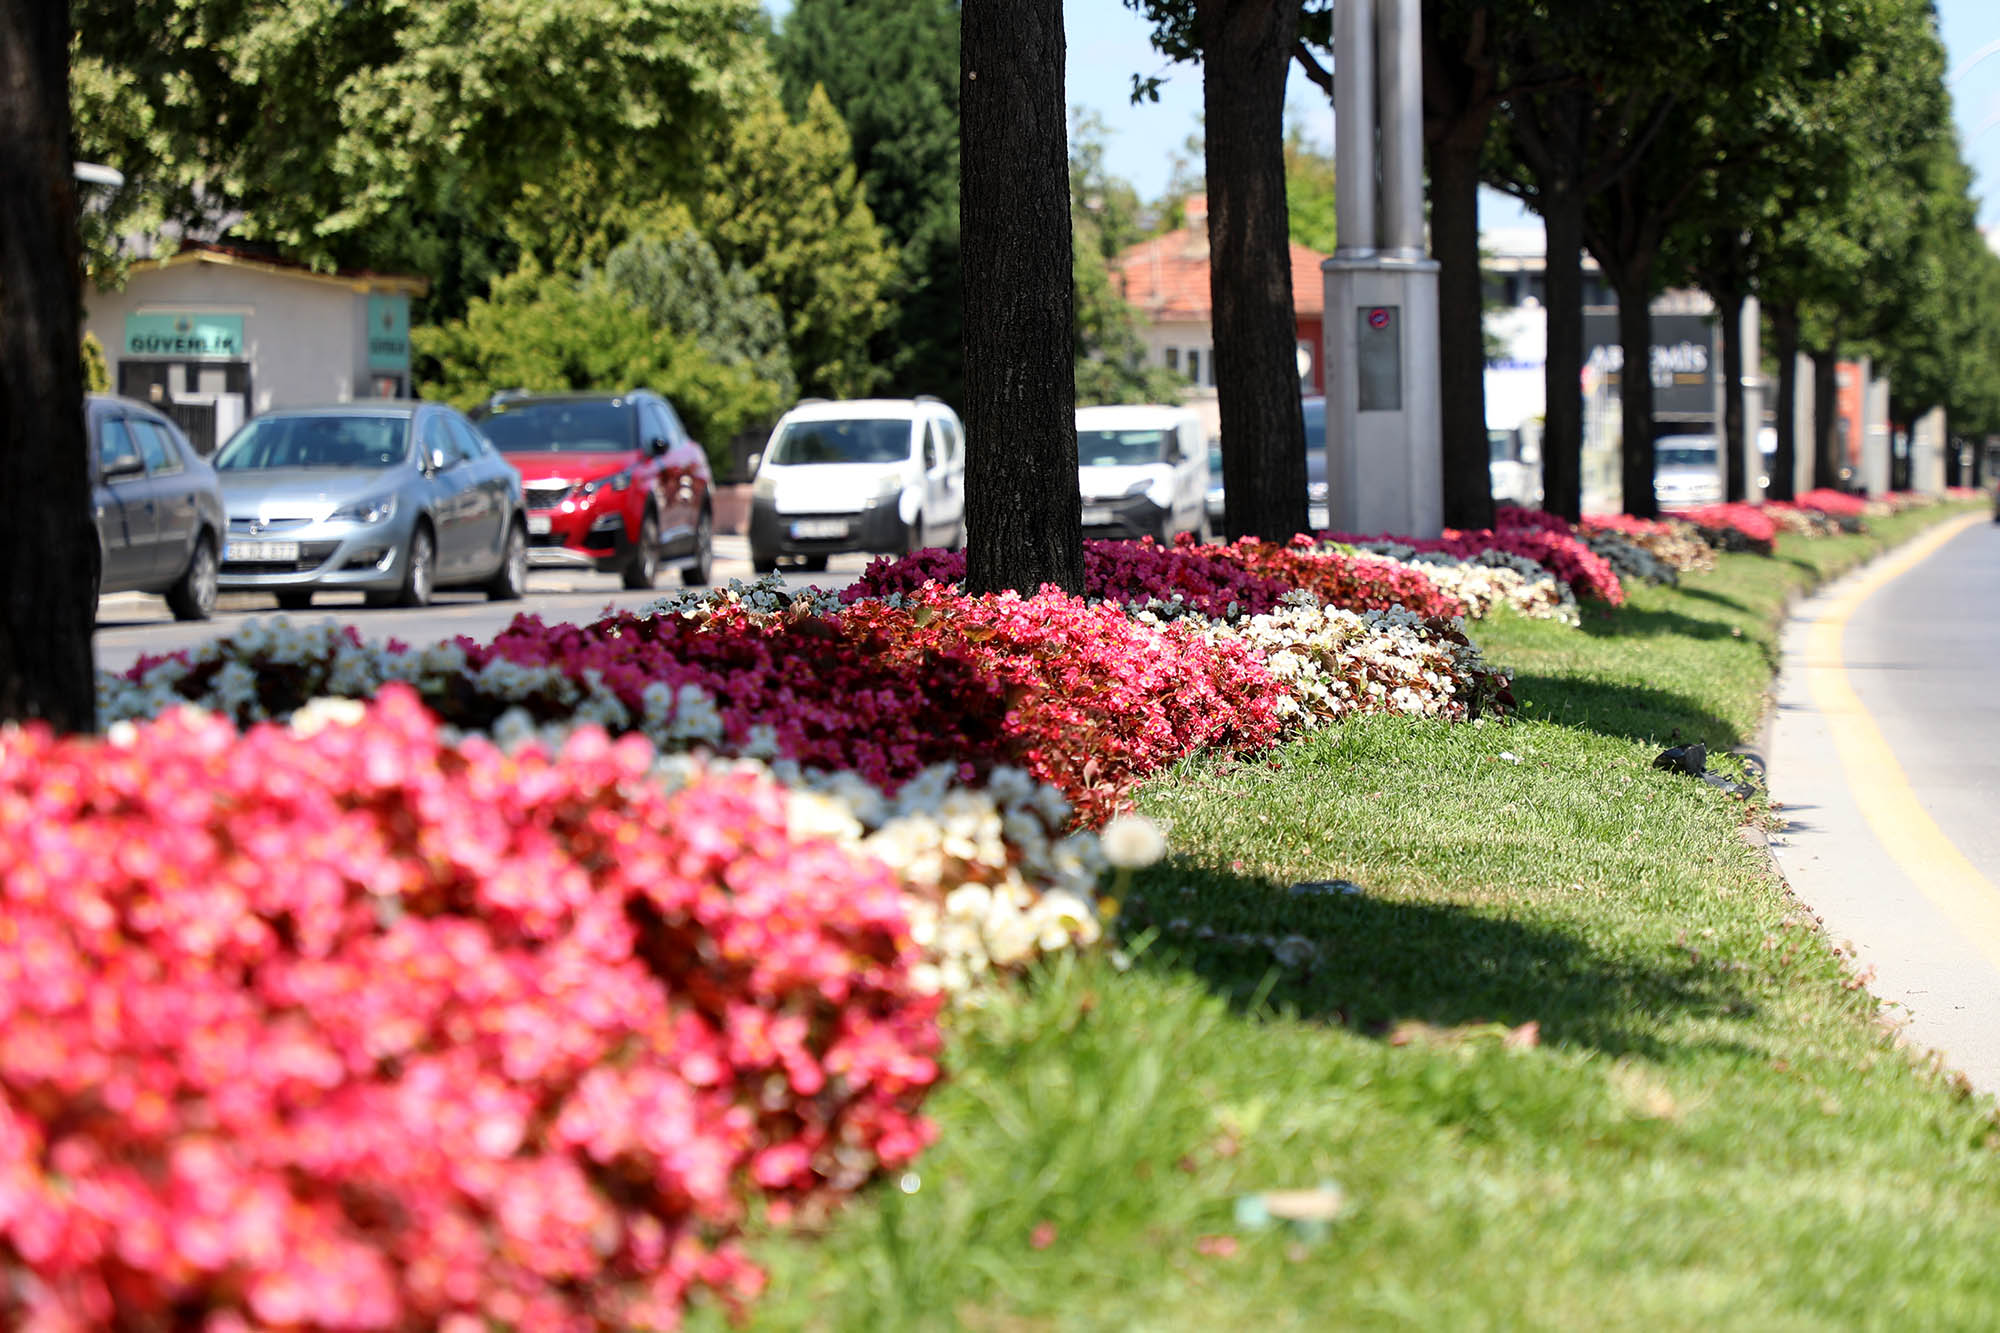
(612,480)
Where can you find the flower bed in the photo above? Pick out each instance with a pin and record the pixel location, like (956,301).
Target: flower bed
(1562,555)
(357,1028)
(1734,527)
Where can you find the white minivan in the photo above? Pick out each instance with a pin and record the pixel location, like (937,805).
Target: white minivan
(873,474)
(1143,471)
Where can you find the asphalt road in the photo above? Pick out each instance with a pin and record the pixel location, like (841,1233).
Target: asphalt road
(1885,753)
(130,625)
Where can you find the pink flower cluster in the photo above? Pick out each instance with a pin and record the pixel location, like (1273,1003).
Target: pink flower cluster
(1531,535)
(1095,699)
(1734,526)
(1245,578)
(360,1030)
(1835,504)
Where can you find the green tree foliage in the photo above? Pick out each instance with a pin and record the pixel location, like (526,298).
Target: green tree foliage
(1309,193)
(553,333)
(96,371)
(890,68)
(782,202)
(1104,217)
(442,138)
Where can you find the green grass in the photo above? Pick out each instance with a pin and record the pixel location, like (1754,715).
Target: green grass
(1712,1130)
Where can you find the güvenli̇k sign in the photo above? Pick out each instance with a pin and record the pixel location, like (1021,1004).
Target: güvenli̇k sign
(185,334)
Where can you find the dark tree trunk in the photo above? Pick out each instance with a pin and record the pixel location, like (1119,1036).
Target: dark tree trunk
(1954,475)
(1635,397)
(1562,435)
(1024,514)
(1826,398)
(1454,197)
(49,556)
(1735,472)
(1785,459)
(1246,51)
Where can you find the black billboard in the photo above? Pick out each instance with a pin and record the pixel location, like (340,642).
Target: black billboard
(1687,363)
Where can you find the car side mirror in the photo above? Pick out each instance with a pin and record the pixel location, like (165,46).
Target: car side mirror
(436,460)
(125,465)
(656,446)
(751,463)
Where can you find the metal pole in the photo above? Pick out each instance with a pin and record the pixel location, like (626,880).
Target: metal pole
(1400,89)
(1354,126)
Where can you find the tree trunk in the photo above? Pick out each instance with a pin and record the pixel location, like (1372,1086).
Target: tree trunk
(1826,441)
(1735,474)
(1635,397)
(1024,513)
(49,555)
(1562,386)
(1246,52)
(1454,198)
(1785,459)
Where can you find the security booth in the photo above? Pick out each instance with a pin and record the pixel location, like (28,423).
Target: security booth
(218,333)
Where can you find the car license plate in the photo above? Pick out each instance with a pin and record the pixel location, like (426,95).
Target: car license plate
(538,524)
(261,552)
(1096,516)
(815,529)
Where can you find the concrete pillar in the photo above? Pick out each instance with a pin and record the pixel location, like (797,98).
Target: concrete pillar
(1802,425)
(1752,331)
(1874,473)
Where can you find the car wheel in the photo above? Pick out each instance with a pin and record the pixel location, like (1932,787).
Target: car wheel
(644,566)
(193,598)
(419,569)
(698,570)
(763,564)
(511,579)
(812,563)
(294,601)
(913,541)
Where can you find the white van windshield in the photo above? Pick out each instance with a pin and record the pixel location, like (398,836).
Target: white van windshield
(1121,448)
(870,440)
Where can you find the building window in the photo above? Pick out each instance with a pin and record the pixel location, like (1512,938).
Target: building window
(1194,366)
(1173,358)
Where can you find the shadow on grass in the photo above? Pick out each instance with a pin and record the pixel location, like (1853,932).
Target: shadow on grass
(1629,620)
(1370,963)
(1710,595)
(1630,712)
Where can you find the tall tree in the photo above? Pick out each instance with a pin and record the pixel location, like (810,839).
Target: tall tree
(1023,508)
(48,603)
(448,139)
(783,202)
(891,69)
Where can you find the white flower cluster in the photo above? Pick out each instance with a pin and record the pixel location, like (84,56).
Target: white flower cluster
(332,666)
(1335,663)
(1488,579)
(990,878)
(768,595)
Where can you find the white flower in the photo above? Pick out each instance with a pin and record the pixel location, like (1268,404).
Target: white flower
(1132,841)
(319,714)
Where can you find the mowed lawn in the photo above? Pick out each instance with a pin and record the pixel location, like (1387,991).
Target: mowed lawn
(1562,1043)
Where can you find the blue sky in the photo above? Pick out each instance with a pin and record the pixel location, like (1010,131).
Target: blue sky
(1108,45)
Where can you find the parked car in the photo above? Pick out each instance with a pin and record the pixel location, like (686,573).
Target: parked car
(391,499)
(874,474)
(1142,471)
(614,482)
(1686,470)
(1314,411)
(158,506)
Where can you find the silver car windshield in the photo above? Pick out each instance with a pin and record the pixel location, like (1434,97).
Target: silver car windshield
(1680,455)
(373,442)
(870,440)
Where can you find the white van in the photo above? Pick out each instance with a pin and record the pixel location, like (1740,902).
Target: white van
(875,474)
(1143,471)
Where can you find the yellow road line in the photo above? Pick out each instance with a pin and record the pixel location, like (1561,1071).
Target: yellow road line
(1912,838)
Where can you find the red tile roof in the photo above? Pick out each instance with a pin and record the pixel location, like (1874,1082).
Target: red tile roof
(1166,278)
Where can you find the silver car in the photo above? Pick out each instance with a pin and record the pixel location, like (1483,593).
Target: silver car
(391,499)
(158,508)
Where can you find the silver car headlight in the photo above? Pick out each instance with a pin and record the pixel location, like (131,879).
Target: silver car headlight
(377,509)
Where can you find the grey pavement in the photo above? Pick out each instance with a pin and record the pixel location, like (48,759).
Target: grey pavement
(1917,895)
(130,625)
